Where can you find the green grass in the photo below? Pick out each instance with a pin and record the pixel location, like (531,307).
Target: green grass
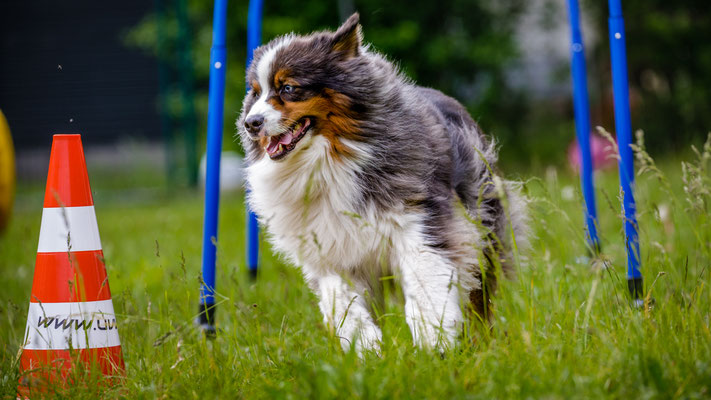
(561,329)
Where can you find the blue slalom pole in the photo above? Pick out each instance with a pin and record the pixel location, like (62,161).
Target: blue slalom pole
(254,38)
(216,100)
(623,127)
(582,122)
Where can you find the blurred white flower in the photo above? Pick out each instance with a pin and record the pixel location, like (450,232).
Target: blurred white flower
(663,210)
(567,193)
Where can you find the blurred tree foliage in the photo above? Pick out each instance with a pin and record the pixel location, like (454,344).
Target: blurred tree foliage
(461,47)
(669,66)
(466,48)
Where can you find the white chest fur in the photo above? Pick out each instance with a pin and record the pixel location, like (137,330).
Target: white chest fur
(308,203)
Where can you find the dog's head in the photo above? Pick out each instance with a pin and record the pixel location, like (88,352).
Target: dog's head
(301,86)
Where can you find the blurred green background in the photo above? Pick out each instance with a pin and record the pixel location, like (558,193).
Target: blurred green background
(507,61)
(134,79)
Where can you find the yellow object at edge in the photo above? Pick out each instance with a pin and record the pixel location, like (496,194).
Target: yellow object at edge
(7,172)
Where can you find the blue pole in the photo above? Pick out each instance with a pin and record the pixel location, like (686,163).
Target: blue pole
(254,37)
(582,122)
(623,127)
(215,111)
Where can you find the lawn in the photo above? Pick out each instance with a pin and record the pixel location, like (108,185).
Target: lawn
(562,328)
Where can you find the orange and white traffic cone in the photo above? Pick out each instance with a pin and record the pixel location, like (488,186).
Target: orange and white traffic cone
(71,318)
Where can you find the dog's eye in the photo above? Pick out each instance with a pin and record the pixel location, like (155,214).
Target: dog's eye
(287,89)
(255,93)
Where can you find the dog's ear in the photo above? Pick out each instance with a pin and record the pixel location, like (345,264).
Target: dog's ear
(348,38)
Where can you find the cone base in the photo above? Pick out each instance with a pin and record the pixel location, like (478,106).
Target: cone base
(42,369)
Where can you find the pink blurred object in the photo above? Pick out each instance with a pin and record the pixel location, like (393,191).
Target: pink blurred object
(602,152)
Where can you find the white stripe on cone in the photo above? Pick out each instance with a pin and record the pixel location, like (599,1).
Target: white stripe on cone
(62,326)
(68,228)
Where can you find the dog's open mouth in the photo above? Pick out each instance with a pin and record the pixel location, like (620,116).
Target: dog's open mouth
(281,145)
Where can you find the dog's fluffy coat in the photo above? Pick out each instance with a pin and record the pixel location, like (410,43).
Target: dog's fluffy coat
(356,172)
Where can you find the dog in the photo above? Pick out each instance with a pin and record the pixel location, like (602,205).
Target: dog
(358,173)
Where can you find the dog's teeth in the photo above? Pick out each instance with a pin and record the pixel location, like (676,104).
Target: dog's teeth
(281,148)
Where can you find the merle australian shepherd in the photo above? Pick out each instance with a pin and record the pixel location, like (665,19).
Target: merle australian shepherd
(358,173)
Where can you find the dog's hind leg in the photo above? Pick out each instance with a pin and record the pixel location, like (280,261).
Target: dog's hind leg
(345,311)
(498,206)
(495,204)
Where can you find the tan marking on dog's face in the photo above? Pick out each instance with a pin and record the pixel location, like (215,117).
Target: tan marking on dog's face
(340,123)
(331,115)
(280,79)
(330,112)
(263,142)
(256,87)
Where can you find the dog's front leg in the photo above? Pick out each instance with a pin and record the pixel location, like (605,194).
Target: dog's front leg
(429,283)
(345,310)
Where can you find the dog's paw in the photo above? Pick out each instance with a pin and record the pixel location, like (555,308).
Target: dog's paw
(366,339)
(432,337)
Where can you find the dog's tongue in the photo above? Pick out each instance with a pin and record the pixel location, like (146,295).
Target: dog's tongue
(275,141)
(272,146)
(287,138)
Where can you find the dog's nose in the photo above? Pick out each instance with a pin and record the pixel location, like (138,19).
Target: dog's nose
(254,123)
